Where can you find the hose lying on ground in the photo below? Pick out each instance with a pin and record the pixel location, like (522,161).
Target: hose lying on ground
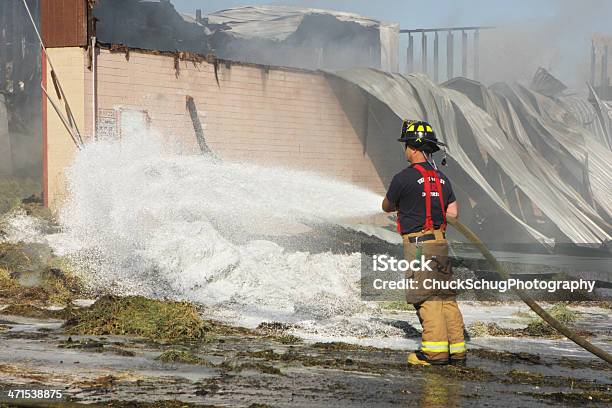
(582,342)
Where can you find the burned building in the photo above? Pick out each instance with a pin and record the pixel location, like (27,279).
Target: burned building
(303,37)
(272,35)
(150,24)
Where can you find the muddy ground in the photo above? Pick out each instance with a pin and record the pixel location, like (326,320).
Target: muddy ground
(265,367)
(138,352)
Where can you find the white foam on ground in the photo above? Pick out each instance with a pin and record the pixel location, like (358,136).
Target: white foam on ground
(142,220)
(16,226)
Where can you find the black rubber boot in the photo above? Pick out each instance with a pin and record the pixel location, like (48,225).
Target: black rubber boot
(459,362)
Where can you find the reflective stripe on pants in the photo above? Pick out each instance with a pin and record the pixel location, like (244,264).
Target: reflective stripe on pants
(442,329)
(456,348)
(434,346)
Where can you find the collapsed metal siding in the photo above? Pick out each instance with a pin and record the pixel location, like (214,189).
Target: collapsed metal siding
(64,23)
(502,137)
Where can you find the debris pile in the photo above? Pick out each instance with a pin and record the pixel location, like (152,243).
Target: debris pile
(30,275)
(536,327)
(139,316)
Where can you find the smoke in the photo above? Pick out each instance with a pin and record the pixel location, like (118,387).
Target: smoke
(559,42)
(20,95)
(552,34)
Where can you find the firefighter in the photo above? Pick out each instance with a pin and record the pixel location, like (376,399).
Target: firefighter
(423,197)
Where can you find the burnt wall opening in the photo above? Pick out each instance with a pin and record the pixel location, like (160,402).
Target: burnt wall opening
(147,25)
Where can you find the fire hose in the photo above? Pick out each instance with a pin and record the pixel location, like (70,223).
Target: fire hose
(554,323)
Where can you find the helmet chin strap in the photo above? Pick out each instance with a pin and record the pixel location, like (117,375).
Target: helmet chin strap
(430,160)
(429,157)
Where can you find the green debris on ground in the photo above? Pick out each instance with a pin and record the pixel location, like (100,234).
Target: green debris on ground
(366,364)
(523,314)
(27,310)
(578,398)
(541,380)
(278,332)
(465,373)
(273,327)
(250,366)
(21,257)
(60,285)
(340,346)
(261,367)
(506,356)
(181,356)
(142,317)
(187,357)
(7,283)
(481,329)
(288,339)
(56,289)
(536,327)
(151,404)
(95,345)
(30,274)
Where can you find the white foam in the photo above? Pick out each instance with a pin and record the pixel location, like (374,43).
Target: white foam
(141,219)
(16,226)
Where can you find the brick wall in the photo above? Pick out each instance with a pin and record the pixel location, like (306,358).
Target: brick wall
(274,116)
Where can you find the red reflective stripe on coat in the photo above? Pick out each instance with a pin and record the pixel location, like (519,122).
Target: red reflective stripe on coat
(427,190)
(440,194)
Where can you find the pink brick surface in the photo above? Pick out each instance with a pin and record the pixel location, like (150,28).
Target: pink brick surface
(282,117)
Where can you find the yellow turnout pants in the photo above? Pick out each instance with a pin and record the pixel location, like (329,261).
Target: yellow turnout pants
(438,311)
(442,324)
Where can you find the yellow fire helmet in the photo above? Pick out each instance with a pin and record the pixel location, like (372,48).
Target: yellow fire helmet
(419,135)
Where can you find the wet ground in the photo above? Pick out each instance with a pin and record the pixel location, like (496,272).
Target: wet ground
(281,365)
(281,371)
